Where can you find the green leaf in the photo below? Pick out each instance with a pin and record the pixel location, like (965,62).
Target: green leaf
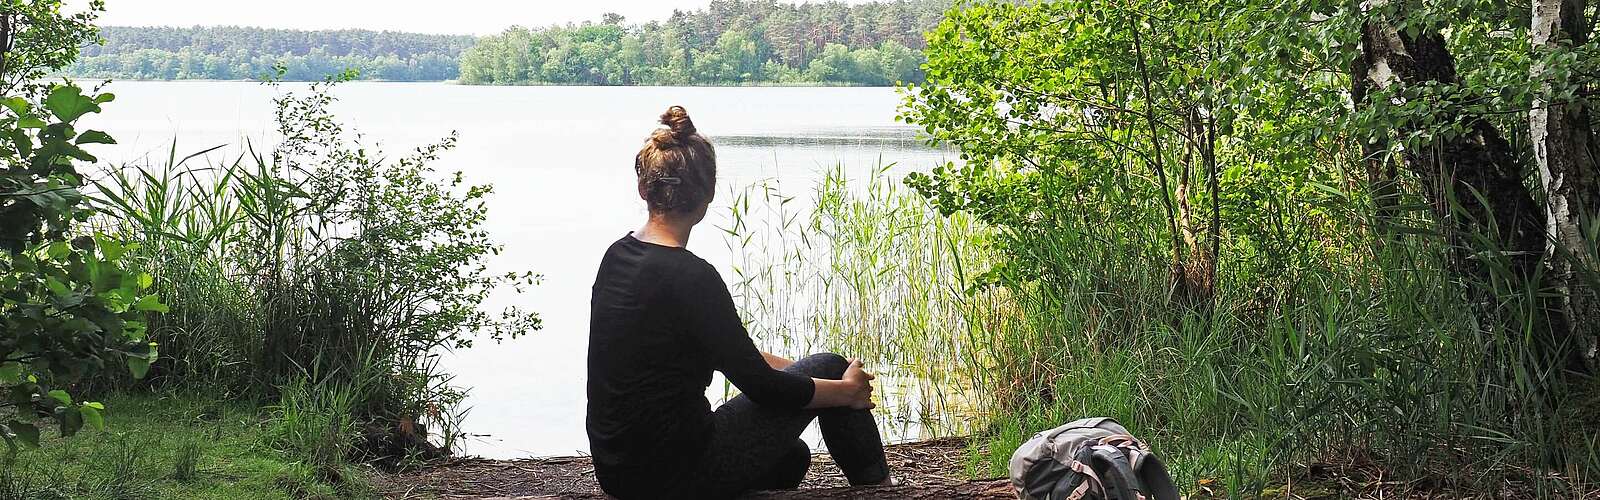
(110,247)
(26,432)
(105,98)
(145,280)
(17,105)
(71,421)
(95,137)
(135,330)
(150,303)
(21,141)
(10,373)
(61,396)
(30,121)
(68,103)
(77,152)
(91,415)
(57,287)
(58,250)
(138,366)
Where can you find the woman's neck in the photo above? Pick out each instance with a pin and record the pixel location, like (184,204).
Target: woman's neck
(665,230)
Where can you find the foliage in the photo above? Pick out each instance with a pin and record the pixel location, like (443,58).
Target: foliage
(322,261)
(36,37)
(316,424)
(729,42)
(69,305)
(224,441)
(861,265)
(865,268)
(1197,243)
(246,53)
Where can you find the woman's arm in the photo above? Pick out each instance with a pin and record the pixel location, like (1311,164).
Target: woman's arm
(713,322)
(854,390)
(775,361)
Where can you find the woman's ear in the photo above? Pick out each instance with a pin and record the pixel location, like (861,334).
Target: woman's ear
(642,192)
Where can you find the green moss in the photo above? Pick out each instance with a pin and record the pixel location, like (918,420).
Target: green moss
(148,449)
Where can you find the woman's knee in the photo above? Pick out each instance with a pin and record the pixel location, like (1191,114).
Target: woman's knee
(824,365)
(791,470)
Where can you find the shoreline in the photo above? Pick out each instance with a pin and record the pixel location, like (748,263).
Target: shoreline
(459,84)
(935,468)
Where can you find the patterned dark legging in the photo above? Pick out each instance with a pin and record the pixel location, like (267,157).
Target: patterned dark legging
(758,448)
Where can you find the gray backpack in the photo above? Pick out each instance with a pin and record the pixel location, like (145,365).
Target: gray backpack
(1093,458)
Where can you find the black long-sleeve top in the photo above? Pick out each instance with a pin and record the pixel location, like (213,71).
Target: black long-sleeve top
(660,321)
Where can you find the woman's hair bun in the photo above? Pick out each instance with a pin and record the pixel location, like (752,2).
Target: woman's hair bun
(677,119)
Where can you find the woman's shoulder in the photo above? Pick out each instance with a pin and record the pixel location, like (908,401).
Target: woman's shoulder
(687,263)
(662,258)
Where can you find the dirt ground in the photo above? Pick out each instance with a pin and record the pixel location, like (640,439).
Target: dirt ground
(929,469)
(933,469)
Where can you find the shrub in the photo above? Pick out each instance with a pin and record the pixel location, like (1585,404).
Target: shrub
(316,264)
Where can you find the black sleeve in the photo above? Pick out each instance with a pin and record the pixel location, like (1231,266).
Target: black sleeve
(714,322)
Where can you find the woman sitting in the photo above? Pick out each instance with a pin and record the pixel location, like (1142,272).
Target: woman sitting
(661,320)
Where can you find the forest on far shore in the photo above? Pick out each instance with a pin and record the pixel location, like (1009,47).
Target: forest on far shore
(248,53)
(730,42)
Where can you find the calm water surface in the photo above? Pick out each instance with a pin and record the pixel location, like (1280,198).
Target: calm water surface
(561,162)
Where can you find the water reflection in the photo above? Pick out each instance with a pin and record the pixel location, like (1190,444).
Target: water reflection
(889,139)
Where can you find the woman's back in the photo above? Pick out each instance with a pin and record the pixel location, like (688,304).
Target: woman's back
(640,371)
(661,320)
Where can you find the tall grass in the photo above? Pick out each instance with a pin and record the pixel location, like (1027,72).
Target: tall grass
(318,275)
(865,268)
(1329,349)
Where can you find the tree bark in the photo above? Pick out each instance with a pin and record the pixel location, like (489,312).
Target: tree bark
(6,41)
(1381,179)
(1474,170)
(1564,145)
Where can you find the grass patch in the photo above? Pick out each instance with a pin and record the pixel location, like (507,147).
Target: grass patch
(1352,364)
(166,446)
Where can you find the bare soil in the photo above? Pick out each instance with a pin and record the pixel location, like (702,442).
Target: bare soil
(928,469)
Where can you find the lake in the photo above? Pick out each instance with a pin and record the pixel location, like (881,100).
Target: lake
(561,162)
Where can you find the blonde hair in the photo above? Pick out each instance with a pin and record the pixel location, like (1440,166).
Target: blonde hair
(677,167)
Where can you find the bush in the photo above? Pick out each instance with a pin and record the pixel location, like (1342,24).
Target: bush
(68,305)
(1200,242)
(316,265)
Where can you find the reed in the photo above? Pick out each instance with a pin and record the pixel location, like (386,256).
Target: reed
(867,269)
(1338,347)
(319,275)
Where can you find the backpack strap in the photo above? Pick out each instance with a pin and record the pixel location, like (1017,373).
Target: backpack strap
(1087,480)
(1154,476)
(1125,441)
(1119,478)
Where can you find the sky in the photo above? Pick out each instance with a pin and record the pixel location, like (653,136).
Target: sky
(476,17)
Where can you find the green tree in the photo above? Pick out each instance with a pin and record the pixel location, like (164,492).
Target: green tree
(740,58)
(1302,151)
(68,306)
(730,41)
(36,37)
(232,52)
(835,65)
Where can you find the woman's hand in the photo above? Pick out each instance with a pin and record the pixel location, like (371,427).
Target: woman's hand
(853,390)
(859,382)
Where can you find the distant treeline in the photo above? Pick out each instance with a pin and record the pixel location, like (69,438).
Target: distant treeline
(233,53)
(729,42)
